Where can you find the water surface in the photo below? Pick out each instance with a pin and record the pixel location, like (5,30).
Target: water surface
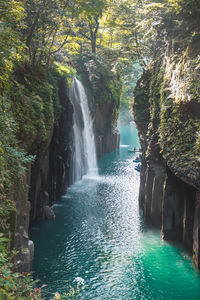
(98,239)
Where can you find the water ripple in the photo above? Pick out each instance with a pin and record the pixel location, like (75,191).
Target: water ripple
(98,239)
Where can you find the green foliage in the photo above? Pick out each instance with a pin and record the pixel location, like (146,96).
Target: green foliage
(88,18)
(31,97)
(47,28)
(104,84)
(12,158)
(71,294)
(141,105)
(64,70)
(28,110)
(14,286)
(130,76)
(180,103)
(174,122)
(7,218)
(120,35)
(12,12)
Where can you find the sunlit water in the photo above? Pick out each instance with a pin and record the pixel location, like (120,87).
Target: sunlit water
(98,239)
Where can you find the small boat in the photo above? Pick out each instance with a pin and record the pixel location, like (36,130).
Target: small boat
(134,150)
(138,168)
(137,160)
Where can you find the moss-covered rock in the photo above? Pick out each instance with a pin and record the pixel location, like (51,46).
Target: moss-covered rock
(174,103)
(103,88)
(104,85)
(167,113)
(8,219)
(30,109)
(180,118)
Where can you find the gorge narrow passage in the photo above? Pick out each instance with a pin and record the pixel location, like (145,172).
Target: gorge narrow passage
(99,241)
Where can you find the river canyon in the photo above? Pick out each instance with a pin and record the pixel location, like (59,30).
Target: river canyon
(100,243)
(82,83)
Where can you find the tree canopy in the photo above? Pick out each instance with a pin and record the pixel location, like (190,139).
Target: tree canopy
(123,32)
(119,30)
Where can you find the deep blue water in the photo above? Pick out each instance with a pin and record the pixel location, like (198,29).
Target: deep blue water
(99,240)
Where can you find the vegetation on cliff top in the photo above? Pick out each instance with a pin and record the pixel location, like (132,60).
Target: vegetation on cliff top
(103,84)
(174,88)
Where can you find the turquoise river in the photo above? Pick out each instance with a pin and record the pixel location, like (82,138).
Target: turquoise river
(99,244)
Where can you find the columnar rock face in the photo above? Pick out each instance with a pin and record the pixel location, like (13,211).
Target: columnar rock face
(103,90)
(23,245)
(51,173)
(106,134)
(196,231)
(46,180)
(168,129)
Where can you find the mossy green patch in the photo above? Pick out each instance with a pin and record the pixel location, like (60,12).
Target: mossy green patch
(29,108)
(64,70)
(173,96)
(104,84)
(8,215)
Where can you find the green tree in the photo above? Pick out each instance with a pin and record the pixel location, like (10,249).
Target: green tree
(88,20)
(47,28)
(11,47)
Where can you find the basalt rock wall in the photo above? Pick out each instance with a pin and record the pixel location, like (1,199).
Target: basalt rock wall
(50,174)
(103,89)
(50,139)
(166,111)
(47,178)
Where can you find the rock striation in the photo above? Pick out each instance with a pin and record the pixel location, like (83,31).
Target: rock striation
(49,137)
(103,90)
(50,174)
(166,111)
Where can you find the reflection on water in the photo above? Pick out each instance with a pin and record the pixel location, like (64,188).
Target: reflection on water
(99,242)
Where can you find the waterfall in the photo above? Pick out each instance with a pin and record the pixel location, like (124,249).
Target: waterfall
(85,161)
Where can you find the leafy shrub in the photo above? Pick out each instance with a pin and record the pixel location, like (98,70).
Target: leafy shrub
(104,84)
(13,285)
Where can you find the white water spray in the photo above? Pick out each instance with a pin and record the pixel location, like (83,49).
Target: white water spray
(85,161)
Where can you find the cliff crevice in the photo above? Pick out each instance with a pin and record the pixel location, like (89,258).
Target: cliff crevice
(166,111)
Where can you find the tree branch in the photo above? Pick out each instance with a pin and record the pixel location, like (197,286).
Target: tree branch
(85,35)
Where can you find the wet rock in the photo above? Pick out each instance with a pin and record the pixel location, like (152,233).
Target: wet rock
(196,232)
(172,226)
(169,187)
(48,212)
(46,198)
(158,194)
(31,250)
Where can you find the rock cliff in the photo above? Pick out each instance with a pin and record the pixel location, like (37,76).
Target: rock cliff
(43,116)
(166,110)
(50,174)
(44,131)
(103,89)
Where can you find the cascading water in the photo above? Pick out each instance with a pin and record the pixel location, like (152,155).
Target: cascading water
(85,161)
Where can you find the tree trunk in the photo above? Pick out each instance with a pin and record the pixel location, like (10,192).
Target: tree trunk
(93,43)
